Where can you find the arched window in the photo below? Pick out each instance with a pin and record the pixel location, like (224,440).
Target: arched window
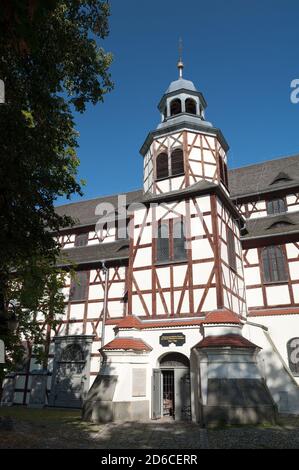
(171,241)
(190,106)
(223,172)
(163,251)
(177,162)
(162,166)
(274,264)
(179,251)
(175,107)
(174,359)
(72,353)
(293,355)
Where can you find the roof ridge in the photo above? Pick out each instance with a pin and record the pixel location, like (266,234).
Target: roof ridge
(264,161)
(99,197)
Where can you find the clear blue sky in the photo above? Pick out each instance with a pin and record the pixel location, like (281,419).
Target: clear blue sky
(241,54)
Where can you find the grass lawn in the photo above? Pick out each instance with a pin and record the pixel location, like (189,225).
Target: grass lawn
(35,428)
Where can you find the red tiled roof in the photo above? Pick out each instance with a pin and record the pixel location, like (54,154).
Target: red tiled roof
(222,316)
(273,311)
(172,323)
(127,344)
(134,322)
(233,341)
(130,322)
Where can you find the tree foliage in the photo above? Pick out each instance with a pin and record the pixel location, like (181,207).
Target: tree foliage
(52,64)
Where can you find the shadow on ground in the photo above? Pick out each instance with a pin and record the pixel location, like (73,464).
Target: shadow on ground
(63,429)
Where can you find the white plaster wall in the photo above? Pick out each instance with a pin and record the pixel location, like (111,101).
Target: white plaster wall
(278,295)
(272,359)
(123,363)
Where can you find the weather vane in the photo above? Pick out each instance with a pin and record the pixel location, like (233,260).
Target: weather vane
(180,62)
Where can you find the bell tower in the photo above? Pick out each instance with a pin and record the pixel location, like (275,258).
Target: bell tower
(185,149)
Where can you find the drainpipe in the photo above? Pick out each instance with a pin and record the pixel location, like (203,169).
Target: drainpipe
(105,271)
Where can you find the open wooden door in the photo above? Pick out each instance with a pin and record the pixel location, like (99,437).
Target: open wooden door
(156,394)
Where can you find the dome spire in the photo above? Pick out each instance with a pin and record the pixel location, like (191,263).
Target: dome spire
(180,62)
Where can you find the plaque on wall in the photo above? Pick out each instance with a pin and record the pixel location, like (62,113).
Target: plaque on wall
(176,338)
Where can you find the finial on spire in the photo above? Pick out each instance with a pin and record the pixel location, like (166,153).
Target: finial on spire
(180,62)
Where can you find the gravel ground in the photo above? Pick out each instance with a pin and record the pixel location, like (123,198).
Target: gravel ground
(63,429)
(285,435)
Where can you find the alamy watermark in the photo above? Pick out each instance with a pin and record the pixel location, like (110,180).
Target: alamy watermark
(120,218)
(295,91)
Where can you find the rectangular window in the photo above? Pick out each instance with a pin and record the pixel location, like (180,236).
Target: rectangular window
(231,249)
(79,284)
(171,241)
(81,239)
(276,206)
(274,264)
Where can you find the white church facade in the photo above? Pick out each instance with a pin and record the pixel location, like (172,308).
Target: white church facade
(186,303)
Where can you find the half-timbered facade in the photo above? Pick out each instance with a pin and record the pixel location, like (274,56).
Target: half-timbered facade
(186,298)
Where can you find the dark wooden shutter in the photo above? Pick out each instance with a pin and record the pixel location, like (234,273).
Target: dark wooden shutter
(231,249)
(81,239)
(274,264)
(162,166)
(293,355)
(163,243)
(179,251)
(79,286)
(177,162)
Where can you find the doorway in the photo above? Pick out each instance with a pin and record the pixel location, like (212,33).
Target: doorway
(168,404)
(71,365)
(171,388)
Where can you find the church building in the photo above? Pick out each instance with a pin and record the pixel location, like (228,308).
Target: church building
(185,305)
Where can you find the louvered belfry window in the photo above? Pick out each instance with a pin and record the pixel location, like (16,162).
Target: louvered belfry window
(171,241)
(276,206)
(175,107)
(274,264)
(177,162)
(78,289)
(190,106)
(231,249)
(162,166)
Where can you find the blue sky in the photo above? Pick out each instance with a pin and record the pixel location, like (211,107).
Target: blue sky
(241,54)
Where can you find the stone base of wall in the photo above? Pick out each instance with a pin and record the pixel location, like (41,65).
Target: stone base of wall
(99,411)
(226,414)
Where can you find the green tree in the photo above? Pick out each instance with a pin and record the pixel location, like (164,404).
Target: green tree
(52,65)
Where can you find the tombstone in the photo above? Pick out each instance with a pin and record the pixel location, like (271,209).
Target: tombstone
(38,392)
(8,390)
